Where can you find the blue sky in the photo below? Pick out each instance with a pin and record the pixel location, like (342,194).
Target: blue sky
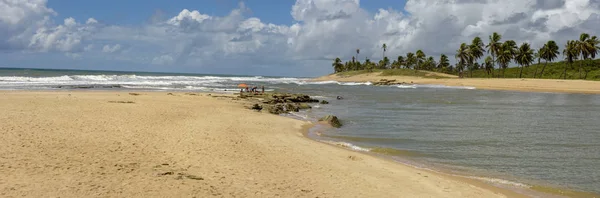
(268,37)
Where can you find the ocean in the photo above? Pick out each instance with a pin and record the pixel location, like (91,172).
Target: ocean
(503,137)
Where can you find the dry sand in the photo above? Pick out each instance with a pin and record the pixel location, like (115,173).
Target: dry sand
(536,85)
(113,144)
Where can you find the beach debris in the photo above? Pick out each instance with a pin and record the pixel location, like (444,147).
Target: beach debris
(134,94)
(331,120)
(190,176)
(170,94)
(166,173)
(123,102)
(354,158)
(324,102)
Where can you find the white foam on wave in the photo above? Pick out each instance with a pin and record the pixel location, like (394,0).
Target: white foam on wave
(407,86)
(500,181)
(347,145)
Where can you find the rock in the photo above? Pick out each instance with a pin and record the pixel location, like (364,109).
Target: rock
(384,82)
(304,106)
(256,107)
(332,120)
(276,109)
(291,107)
(324,102)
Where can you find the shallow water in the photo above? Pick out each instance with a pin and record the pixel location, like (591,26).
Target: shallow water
(534,138)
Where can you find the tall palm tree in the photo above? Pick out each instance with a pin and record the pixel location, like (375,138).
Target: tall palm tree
(410,60)
(476,51)
(430,63)
(592,50)
(570,52)
(462,58)
(443,63)
(494,46)
(524,56)
(337,65)
(420,58)
(582,47)
(384,47)
(505,55)
(549,53)
(401,61)
(489,65)
(508,52)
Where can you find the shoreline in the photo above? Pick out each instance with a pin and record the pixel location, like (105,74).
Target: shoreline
(74,144)
(524,85)
(511,188)
(346,166)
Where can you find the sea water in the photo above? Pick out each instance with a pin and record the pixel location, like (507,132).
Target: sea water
(513,137)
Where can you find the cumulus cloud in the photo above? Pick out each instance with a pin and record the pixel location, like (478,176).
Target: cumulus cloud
(111,49)
(321,31)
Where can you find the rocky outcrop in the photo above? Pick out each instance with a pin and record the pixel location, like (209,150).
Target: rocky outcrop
(279,103)
(331,120)
(385,82)
(324,102)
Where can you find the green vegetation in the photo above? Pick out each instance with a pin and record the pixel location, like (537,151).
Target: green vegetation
(555,70)
(579,61)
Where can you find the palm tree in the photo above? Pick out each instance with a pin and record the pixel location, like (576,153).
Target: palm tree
(570,52)
(337,65)
(369,65)
(476,51)
(489,65)
(429,63)
(505,55)
(494,46)
(401,61)
(582,48)
(549,53)
(524,56)
(384,47)
(592,50)
(384,63)
(462,57)
(443,63)
(410,60)
(420,58)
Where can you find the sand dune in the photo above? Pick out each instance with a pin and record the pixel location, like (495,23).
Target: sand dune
(113,144)
(536,85)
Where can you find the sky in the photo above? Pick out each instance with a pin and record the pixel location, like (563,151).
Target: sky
(268,37)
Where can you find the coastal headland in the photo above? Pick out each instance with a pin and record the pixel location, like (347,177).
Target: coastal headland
(158,144)
(511,84)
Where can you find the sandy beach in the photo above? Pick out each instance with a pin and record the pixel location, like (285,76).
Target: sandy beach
(535,85)
(114,144)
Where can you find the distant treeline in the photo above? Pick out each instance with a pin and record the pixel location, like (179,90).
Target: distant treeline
(578,60)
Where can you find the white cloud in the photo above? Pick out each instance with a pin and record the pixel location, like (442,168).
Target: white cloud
(321,31)
(111,49)
(91,21)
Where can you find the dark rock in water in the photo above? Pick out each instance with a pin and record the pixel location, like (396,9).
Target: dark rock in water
(324,102)
(304,106)
(386,82)
(256,107)
(332,120)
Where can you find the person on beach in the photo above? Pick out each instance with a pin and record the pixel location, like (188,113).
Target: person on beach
(263,89)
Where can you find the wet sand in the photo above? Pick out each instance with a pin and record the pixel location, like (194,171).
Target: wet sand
(535,85)
(114,144)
